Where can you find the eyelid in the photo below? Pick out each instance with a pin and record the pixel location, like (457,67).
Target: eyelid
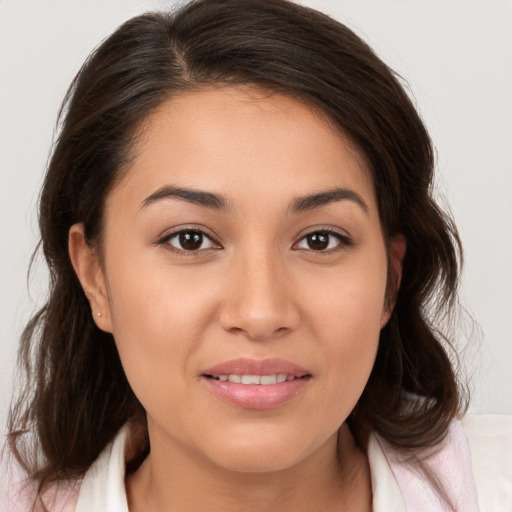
(344,239)
(164,239)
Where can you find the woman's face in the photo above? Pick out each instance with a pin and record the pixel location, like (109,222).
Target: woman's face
(243,243)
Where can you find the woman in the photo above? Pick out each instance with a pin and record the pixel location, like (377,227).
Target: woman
(246,267)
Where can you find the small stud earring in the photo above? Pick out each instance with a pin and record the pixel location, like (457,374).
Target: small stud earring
(98,314)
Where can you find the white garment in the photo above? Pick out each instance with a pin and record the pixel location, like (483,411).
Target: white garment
(486,456)
(475,458)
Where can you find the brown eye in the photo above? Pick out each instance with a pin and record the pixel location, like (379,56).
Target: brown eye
(191,240)
(323,241)
(318,241)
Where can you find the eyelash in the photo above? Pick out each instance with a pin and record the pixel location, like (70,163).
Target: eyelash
(166,240)
(343,241)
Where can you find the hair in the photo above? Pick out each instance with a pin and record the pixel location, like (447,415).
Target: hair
(76,396)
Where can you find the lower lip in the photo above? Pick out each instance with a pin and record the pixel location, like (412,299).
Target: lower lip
(257,396)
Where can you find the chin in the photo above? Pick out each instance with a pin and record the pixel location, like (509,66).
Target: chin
(259,452)
(257,461)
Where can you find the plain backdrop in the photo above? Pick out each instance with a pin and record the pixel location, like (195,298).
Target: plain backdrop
(457,59)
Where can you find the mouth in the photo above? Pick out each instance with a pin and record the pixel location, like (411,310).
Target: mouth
(257,384)
(258,380)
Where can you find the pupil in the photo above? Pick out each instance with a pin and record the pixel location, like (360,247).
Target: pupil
(191,240)
(318,241)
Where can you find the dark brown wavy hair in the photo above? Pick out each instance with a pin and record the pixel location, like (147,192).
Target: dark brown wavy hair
(75,396)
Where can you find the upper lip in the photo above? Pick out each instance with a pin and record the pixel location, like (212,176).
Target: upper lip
(247,366)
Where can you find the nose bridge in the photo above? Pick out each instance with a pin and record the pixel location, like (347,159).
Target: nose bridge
(260,301)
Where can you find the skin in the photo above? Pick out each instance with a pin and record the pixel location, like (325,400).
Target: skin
(255,288)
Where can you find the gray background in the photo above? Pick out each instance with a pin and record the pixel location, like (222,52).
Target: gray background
(457,59)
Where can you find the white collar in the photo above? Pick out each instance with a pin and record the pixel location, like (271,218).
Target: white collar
(103,485)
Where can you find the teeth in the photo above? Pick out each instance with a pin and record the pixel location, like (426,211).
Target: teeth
(251,379)
(255,379)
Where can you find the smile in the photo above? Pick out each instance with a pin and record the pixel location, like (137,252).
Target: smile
(262,380)
(256,384)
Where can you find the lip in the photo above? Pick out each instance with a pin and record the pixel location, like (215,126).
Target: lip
(247,366)
(254,396)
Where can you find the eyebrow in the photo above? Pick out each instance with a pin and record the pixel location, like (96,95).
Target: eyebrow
(216,202)
(317,200)
(205,199)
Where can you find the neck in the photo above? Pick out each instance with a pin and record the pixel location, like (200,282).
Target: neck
(335,477)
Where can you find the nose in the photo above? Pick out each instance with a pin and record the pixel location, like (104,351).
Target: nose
(259,301)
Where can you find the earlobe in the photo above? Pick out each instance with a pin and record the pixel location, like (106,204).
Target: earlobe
(86,264)
(397,249)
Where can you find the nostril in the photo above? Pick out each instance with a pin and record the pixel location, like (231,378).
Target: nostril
(258,320)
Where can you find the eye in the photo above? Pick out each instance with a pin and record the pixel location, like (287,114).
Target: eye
(323,241)
(191,240)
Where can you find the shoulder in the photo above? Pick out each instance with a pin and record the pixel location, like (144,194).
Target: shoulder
(18,493)
(490,444)
(472,465)
(101,488)
(431,479)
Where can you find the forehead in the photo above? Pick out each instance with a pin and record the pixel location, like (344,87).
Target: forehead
(229,139)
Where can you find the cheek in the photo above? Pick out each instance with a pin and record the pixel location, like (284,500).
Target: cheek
(158,319)
(346,316)
(149,295)
(351,299)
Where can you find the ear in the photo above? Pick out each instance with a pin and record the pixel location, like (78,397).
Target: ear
(397,249)
(86,263)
